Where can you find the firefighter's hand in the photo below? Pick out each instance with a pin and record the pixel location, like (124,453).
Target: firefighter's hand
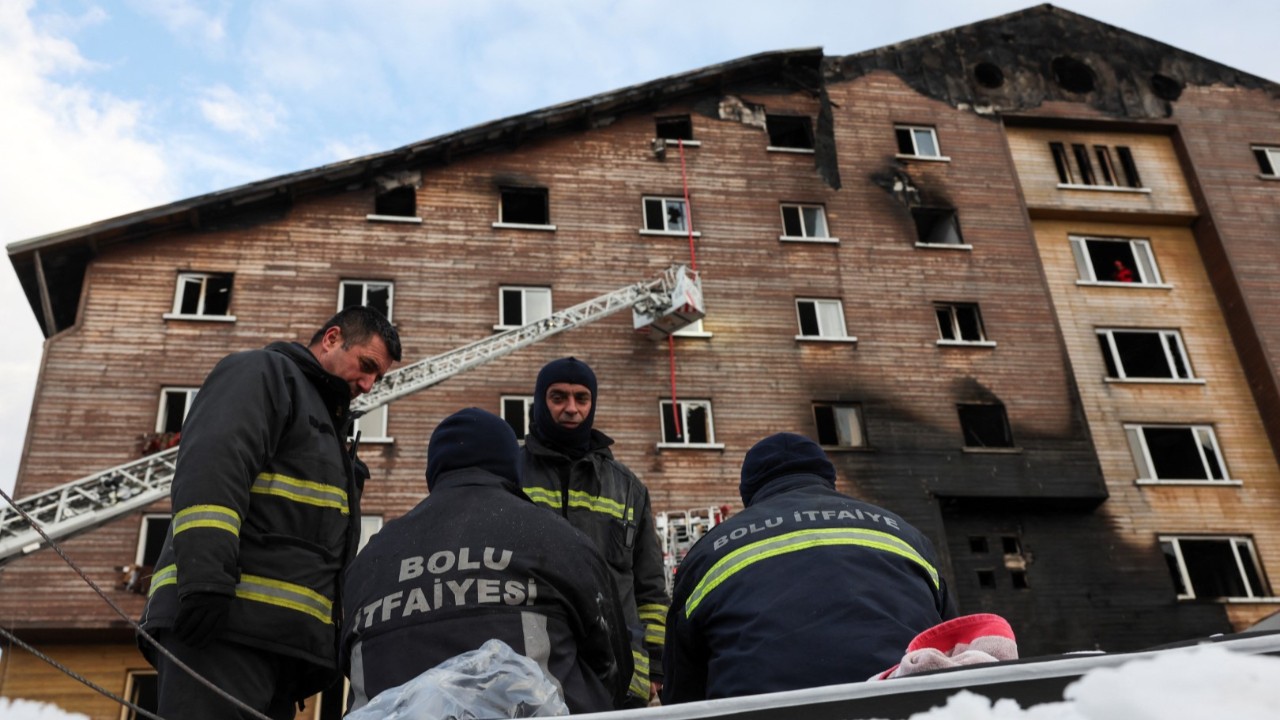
(201,618)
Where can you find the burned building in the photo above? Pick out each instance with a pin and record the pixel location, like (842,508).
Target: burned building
(1017,277)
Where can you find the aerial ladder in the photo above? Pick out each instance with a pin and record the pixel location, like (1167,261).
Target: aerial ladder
(661,305)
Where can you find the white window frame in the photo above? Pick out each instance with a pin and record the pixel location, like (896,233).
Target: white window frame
(808,234)
(959,341)
(825,333)
(855,443)
(1167,338)
(952,217)
(369,526)
(685,406)
(526,401)
(525,291)
(203,278)
(130,684)
(1205,439)
(162,411)
(694,330)
(140,552)
(1146,272)
(372,426)
(502,223)
(1272,153)
(1236,541)
(665,231)
(365,286)
(915,143)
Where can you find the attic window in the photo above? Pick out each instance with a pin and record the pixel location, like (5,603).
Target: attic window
(525,207)
(1165,87)
(790,132)
(988,75)
(1073,75)
(676,127)
(398,202)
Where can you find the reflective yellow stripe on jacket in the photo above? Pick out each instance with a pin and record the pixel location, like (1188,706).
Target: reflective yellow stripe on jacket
(579,499)
(286,595)
(303,491)
(218,517)
(654,618)
(167,575)
(796,541)
(640,678)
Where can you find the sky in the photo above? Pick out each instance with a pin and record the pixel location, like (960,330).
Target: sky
(116,106)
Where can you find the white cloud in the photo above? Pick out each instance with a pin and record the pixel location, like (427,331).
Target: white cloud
(252,117)
(186,18)
(28,710)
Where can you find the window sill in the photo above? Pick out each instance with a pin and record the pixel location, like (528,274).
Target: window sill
(847,448)
(992,450)
(944,246)
(967,343)
(1268,177)
(848,339)
(689,446)
(373,217)
(200,318)
(702,334)
(1110,283)
(1105,188)
(793,150)
(928,158)
(1155,381)
(814,240)
(676,143)
(1198,483)
(524,226)
(376,441)
(504,328)
(670,233)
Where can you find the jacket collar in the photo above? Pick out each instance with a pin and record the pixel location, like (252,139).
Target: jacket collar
(599,445)
(333,389)
(788,483)
(475,477)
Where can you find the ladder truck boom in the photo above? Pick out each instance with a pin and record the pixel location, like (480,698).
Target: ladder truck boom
(662,305)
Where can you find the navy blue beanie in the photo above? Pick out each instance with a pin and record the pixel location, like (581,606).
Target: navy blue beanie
(473,438)
(565,370)
(781,455)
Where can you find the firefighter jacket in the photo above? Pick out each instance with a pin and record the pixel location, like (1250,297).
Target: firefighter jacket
(804,588)
(474,561)
(605,500)
(265,507)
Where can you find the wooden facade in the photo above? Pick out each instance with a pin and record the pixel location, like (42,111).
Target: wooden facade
(1051,530)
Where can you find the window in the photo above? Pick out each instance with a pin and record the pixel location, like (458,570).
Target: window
(937,226)
(917,141)
(369,526)
(141,689)
(959,323)
(692,427)
(175,403)
(372,426)
(515,410)
(203,295)
(1207,568)
(665,215)
(1268,160)
(804,222)
(675,127)
(1144,355)
(1075,166)
(1115,260)
(978,545)
(789,132)
(1176,453)
(370,293)
(525,207)
(839,425)
(985,426)
(396,204)
(693,329)
(820,319)
(151,537)
(522,305)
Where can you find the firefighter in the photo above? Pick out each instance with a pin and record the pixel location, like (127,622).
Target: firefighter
(266,512)
(474,561)
(805,587)
(567,467)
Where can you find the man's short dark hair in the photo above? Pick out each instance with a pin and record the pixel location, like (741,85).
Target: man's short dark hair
(359,323)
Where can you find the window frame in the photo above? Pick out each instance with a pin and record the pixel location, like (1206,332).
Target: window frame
(162,412)
(413,218)
(952,217)
(1236,542)
(823,335)
(1143,259)
(665,199)
(378,418)
(965,432)
(526,190)
(911,131)
(799,209)
(790,119)
(524,305)
(1074,165)
(658,122)
(1113,360)
(131,692)
(176,313)
(1201,433)
(527,401)
(956,329)
(694,329)
(1271,153)
(364,294)
(859,443)
(686,404)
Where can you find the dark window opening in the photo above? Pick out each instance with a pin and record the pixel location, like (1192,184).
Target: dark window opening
(937,226)
(513,411)
(1018,578)
(986,579)
(525,206)
(808,318)
(1214,570)
(204,294)
(791,225)
(1176,454)
(376,295)
(1012,546)
(175,411)
(695,423)
(1165,87)
(1113,261)
(905,144)
(1132,178)
(1083,163)
(1072,74)
(512,307)
(678,127)
(1266,163)
(790,131)
(143,692)
(1061,162)
(838,425)
(1105,167)
(154,531)
(978,545)
(398,202)
(988,75)
(1144,354)
(985,426)
(960,323)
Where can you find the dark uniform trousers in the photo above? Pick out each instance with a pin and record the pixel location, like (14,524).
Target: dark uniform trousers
(248,674)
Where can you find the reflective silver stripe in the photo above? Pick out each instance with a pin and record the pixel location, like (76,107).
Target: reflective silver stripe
(303,491)
(286,595)
(359,695)
(207,516)
(537,644)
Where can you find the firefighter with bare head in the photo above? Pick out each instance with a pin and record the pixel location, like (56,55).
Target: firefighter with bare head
(568,468)
(265,516)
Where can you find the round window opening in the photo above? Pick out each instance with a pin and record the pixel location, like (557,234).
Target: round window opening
(988,75)
(1072,75)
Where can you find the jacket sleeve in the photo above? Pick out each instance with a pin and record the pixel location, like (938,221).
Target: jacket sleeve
(684,658)
(228,436)
(650,580)
(606,646)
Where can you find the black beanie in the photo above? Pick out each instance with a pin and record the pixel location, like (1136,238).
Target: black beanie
(781,455)
(565,370)
(473,438)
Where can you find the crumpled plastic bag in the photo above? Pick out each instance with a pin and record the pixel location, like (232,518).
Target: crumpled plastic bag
(492,681)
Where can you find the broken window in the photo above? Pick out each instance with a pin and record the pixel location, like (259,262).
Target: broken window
(397,202)
(839,424)
(917,141)
(986,579)
(978,545)
(1176,452)
(1076,166)
(959,323)
(694,423)
(524,206)
(804,222)
(522,305)
(665,214)
(372,426)
(1214,568)
(790,131)
(141,688)
(1018,578)
(369,293)
(203,295)
(175,403)
(1144,354)
(515,410)
(675,127)
(985,426)
(820,318)
(1268,159)
(937,226)
(1115,260)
